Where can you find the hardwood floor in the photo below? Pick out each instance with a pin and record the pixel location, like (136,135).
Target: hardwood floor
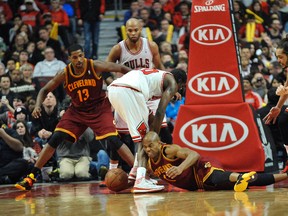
(87,198)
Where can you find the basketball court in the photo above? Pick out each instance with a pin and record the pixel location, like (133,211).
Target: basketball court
(87,198)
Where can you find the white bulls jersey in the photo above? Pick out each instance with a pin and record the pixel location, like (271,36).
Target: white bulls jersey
(142,59)
(129,96)
(147,81)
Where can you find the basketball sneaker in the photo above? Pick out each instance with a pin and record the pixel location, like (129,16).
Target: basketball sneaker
(243,180)
(26,183)
(132,177)
(132,174)
(102,172)
(144,186)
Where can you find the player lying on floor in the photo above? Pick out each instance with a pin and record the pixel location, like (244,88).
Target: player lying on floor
(185,168)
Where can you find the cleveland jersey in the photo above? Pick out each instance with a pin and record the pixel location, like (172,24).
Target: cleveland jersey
(192,178)
(142,59)
(84,89)
(147,81)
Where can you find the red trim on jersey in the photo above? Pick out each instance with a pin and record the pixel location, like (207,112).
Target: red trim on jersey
(139,51)
(116,85)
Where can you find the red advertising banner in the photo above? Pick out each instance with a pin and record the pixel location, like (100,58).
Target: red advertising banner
(222,132)
(215,121)
(213,76)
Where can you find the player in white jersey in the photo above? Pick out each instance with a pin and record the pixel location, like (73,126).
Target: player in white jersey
(137,52)
(129,95)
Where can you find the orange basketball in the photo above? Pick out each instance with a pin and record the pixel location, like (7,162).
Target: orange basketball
(116,180)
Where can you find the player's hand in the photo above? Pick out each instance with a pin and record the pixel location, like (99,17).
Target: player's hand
(173,172)
(281,90)
(177,96)
(36,112)
(272,115)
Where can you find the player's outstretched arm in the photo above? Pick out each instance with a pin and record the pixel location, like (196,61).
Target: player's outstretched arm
(49,87)
(101,66)
(114,54)
(175,151)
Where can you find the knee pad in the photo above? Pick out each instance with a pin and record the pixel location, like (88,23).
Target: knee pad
(58,137)
(114,142)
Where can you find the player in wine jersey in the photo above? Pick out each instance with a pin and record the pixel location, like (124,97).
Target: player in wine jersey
(138,52)
(185,168)
(129,95)
(83,81)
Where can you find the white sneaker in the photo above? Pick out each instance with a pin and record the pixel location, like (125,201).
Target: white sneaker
(152,181)
(132,174)
(144,186)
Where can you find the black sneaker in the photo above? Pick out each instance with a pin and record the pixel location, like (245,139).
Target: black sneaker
(102,172)
(26,183)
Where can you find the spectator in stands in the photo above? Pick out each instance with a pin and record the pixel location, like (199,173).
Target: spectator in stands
(5,26)
(90,15)
(12,164)
(6,10)
(10,66)
(157,35)
(182,17)
(30,16)
(267,55)
(261,14)
(27,73)
(251,97)
(23,58)
(17,46)
(168,31)
(275,30)
(239,13)
(251,31)
(60,17)
(68,7)
(17,21)
(74,159)
(26,31)
(5,84)
(49,42)
(100,159)
(45,70)
(8,117)
(157,12)
(44,126)
(30,49)
(38,53)
(133,12)
(29,154)
(259,85)
(144,15)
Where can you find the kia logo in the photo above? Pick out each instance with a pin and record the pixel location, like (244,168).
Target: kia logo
(213,84)
(213,132)
(211,34)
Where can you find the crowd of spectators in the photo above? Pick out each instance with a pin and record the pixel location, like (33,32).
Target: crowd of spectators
(35,35)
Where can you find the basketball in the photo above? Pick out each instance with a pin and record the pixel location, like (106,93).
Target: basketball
(116,180)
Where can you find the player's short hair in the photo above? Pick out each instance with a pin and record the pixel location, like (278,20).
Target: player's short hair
(284,44)
(74,48)
(179,75)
